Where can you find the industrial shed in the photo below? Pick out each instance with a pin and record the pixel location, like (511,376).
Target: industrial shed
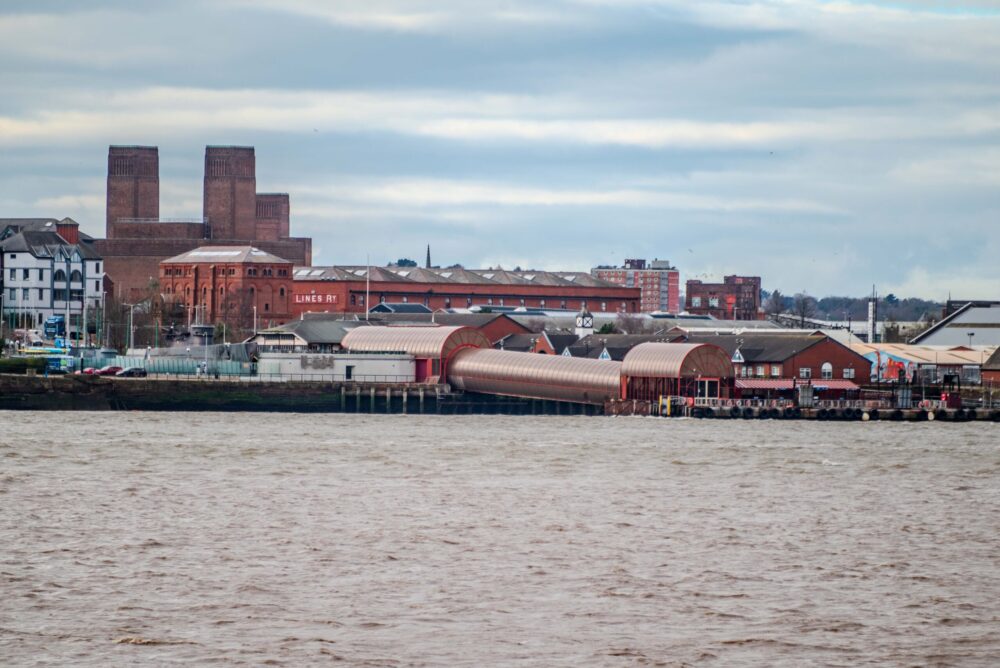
(432,347)
(558,378)
(654,370)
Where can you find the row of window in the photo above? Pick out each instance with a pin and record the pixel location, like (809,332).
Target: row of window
(358,299)
(57,295)
(59,275)
(222,291)
(226,271)
(761,371)
(713,302)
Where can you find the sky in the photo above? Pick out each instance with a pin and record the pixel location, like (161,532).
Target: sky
(825,146)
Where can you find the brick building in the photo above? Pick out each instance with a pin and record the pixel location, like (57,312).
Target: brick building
(234,213)
(215,284)
(658,281)
(736,298)
(805,357)
(344,289)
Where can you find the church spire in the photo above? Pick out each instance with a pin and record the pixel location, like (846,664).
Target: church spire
(428,265)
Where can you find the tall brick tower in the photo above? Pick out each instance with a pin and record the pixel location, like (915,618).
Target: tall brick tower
(230,200)
(133,184)
(272,216)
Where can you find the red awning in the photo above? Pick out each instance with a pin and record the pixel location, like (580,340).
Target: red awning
(764,383)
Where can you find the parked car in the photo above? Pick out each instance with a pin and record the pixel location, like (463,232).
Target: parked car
(89,371)
(132,372)
(109,370)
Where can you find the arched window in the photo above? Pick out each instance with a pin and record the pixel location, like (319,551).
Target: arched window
(826,371)
(60,275)
(76,276)
(281,292)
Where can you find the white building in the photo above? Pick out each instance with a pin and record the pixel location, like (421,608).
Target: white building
(47,269)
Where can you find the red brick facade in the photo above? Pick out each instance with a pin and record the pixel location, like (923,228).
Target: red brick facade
(843,362)
(736,298)
(216,289)
(349,296)
(133,184)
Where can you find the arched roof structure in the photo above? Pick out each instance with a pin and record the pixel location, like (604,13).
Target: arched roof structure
(677,360)
(558,378)
(421,342)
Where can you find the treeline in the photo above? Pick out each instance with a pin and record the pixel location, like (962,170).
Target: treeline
(890,307)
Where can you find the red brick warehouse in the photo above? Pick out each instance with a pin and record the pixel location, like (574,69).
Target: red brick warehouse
(217,284)
(344,289)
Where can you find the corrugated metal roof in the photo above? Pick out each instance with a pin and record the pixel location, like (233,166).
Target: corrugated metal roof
(226,254)
(423,342)
(538,376)
(677,360)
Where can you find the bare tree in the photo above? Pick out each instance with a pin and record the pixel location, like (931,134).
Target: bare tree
(804,308)
(775,304)
(631,323)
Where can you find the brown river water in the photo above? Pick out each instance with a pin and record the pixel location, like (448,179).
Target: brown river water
(261,539)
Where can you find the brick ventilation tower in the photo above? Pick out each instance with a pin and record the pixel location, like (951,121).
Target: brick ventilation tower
(133,184)
(272,216)
(230,201)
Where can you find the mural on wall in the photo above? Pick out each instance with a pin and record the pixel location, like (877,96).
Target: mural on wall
(889,367)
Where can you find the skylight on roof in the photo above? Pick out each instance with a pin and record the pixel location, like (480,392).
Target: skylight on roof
(488,276)
(302,272)
(316,272)
(569,278)
(404,274)
(530,277)
(360,272)
(445,274)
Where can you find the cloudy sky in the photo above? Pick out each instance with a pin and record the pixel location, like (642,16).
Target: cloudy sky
(825,146)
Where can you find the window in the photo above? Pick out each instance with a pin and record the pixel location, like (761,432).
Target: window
(713,302)
(501,301)
(489,301)
(97,286)
(405,299)
(75,276)
(522,302)
(805,372)
(604,305)
(25,294)
(743,372)
(26,274)
(696,302)
(97,267)
(13,274)
(826,371)
(775,371)
(60,275)
(41,295)
(41,274)
(468,301)
(562,304)
(13,294)
(541,303)
(760,371)
(849,373)
(267,307)
(281,292)
(354,300)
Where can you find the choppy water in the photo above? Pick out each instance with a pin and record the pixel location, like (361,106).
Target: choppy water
(151,539)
